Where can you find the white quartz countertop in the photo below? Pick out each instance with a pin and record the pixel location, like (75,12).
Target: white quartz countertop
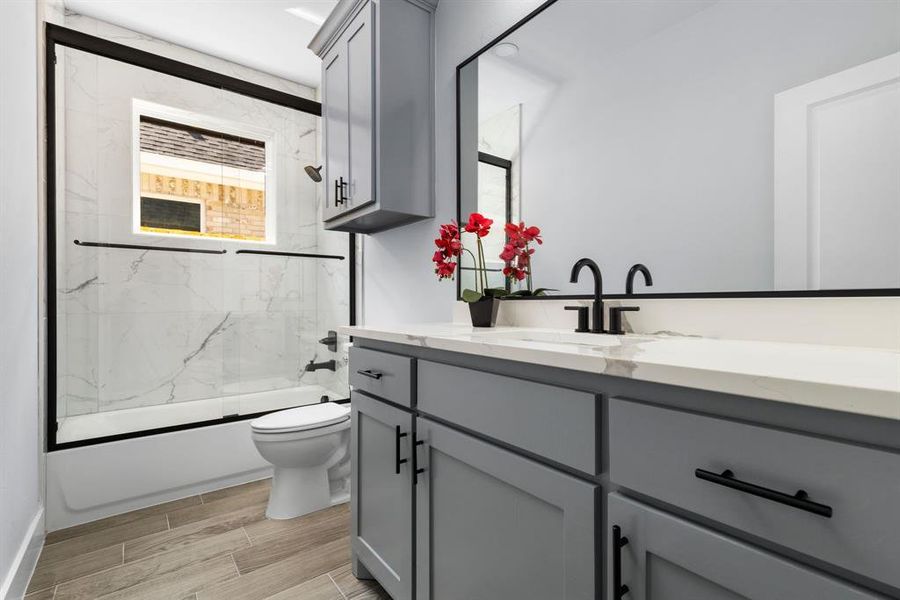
(854,380)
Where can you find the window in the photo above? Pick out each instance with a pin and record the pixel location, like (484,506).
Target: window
(202,177)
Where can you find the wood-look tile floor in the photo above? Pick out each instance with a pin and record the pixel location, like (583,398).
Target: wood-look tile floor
(215,546)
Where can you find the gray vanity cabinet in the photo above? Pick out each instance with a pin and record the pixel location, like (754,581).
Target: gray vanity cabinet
(382,523)
(667,558)
(377,106)
(492,524)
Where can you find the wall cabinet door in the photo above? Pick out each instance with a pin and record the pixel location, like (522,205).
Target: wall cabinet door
(335,121)
(348,112)
(360,84)
(492,524)
(667,558)
(382,511)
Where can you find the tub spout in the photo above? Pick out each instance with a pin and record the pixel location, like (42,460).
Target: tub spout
(314,366)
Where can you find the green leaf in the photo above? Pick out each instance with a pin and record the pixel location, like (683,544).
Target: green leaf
(496,292)
(543,291)
(471,296)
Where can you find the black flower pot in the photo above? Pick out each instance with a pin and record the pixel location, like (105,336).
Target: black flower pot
(484,311)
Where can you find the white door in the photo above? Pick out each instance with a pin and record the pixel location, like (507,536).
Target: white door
(837,180)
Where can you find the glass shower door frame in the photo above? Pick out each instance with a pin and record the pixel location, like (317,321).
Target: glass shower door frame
(56,35)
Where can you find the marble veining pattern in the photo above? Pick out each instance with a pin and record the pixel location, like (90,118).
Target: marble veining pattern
(142,328)
(856,380)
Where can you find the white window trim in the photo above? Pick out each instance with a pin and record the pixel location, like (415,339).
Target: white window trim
(144,108)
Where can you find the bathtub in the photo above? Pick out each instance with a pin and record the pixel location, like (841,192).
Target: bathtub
(130,420)
(96,481)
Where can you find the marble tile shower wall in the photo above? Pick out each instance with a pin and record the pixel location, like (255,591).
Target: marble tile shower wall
(141,328)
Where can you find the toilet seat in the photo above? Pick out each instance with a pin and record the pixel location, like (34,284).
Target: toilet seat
(302,434)
(302,418)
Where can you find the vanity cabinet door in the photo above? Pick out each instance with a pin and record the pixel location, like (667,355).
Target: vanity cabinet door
(381,505)
(667,558)
(493,524)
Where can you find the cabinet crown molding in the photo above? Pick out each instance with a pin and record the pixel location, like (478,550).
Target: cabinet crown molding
(341,16)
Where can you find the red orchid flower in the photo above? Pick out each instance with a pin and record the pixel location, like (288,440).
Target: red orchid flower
(516,252)
(448,247)
(514,273)
(509,253)
(479,225)
(532,234)
(448,244)
(445,270)
(520,234)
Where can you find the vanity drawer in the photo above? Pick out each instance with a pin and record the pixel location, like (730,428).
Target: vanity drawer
(554,423)
(388,376)
(672,455)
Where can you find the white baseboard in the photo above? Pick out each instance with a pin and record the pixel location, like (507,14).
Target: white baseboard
(16,581)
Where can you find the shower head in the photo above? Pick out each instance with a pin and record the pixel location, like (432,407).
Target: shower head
(315,173)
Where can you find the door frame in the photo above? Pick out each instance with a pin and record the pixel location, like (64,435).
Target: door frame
(796,200)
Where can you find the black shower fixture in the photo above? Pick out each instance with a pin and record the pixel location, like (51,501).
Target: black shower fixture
(315,173)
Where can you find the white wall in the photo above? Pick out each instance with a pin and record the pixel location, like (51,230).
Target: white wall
(20,478)
(399,281)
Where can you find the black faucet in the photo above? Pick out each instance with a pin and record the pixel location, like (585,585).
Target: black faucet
(615,318)
(597,307)
(314,366)
(615,313)
(629,281)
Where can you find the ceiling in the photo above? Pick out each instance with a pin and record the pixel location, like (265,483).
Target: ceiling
(260,34)
(584,34)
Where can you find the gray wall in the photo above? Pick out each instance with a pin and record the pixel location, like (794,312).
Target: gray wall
(20,479)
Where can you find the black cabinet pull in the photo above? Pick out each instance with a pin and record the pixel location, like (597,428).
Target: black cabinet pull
(415,456)
(339,186)
(397,460)
(799,500)
(370,373)
(619,540)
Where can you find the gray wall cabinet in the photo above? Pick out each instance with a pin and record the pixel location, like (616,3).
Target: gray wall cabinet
(381,505)
(518,476)
(377,113)
(667,558)
(491,524)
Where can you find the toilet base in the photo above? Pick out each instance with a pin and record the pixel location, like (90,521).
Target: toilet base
(298,491)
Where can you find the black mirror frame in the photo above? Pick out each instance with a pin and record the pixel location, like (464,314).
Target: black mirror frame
(844,293)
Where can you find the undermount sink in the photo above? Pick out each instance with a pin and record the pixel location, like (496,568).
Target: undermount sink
(548,336)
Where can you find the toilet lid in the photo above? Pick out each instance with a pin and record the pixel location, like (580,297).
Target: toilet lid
(302,417)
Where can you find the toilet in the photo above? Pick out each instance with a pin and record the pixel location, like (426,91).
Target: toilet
(309,447)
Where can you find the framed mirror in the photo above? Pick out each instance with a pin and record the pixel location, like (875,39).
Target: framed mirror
(734,148)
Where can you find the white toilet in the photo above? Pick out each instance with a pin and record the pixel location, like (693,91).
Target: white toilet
(304,444)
